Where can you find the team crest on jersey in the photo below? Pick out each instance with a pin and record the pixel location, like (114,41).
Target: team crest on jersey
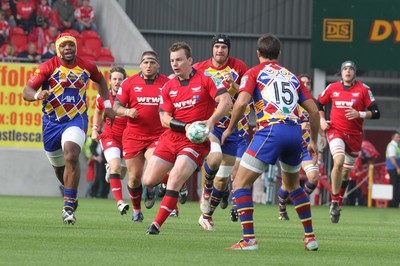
(72,77)
(138,89)
(173,93)
(197,89)
(336,94)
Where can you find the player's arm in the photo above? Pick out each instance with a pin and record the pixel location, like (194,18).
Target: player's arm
(323,123)
(31,91)
(168,121)
(102,89)
(237,113)
(372,113)
(97,120)
(224,105)
(314,118)
(121,110)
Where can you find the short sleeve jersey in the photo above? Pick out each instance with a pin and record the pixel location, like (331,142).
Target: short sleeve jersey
(358,97)
(276,93)
(190,100)
(237,69)
(69,83)
(83,13)
(119,123)
(143,95)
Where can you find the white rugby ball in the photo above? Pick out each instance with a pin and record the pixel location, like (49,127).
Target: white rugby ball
(197,133)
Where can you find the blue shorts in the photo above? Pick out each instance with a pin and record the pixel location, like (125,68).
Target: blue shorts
(52,131)
(242,146)
(231,143)
(278,141)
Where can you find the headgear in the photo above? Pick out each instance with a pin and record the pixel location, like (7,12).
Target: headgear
(65,37)
(221,38)
(348,64)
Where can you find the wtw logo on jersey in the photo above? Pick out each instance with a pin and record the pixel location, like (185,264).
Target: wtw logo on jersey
(148,100)
(343,104)
(188,103)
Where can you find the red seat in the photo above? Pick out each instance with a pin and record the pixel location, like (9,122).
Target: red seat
(105,60)
(16,31)
(83,51)
(18,40)
(3,47)
(92,43)
(89,57)
(74,33)
(104,51)
(90,34)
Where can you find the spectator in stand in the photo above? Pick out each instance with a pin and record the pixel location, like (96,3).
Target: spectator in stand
(9,8)
(31,55)
(358,188)
(9,54)
(44,14)
(51,51)
(64,10)
(4,27)
(393,167)
(26,15)
(49,35)
(84,16)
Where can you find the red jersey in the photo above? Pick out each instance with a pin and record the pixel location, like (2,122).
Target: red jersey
(69,83)
(119,124)
(358,97)
(44,10)
(276,94)
(25,10)
(237,69)
(143,95)
(83,13)
(190,100)
(5,6)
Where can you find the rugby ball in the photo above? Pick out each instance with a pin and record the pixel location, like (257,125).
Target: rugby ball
(197,133)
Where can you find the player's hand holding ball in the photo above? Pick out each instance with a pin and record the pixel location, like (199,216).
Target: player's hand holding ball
(197,132)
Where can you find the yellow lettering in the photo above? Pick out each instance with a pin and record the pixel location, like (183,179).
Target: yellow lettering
(396,27)
(381,29)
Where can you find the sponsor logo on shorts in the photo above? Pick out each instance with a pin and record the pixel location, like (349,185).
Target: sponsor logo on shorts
(195,154)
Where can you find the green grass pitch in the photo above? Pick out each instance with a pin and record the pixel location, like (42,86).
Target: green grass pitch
(32,233)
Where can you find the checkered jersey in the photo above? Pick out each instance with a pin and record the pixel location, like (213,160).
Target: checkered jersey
(69,83)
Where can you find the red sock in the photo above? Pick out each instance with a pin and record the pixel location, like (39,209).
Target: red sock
(316,199)
(168,203)
(335,197)
(136,197)
(116,186)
